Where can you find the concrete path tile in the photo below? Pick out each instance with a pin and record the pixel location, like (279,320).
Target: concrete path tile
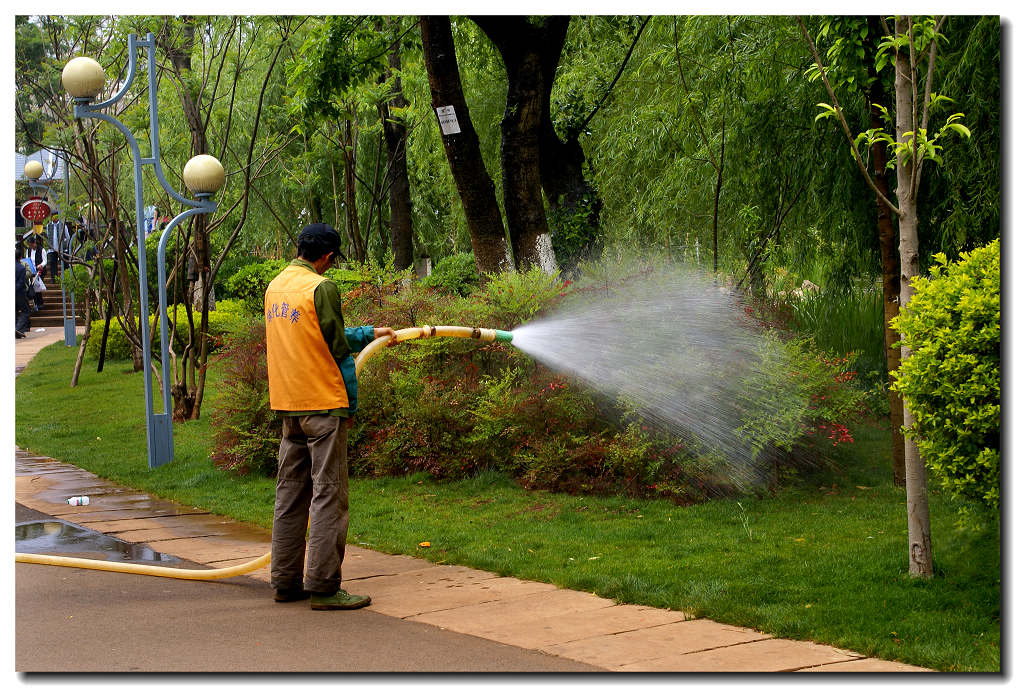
(676,638)
(182,526)
(167,522)
(430,576)
(204,550)
(765,656)
(360,563)
(409,600)
(866,665)
(542,632)
(71,514)
(165,534)
(490,618)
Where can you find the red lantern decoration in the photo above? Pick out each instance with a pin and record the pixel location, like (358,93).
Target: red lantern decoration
(36,210)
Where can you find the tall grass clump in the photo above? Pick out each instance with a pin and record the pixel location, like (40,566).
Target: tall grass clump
(843,321)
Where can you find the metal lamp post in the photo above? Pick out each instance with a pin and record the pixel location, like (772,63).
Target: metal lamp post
(59,240)
(83,78)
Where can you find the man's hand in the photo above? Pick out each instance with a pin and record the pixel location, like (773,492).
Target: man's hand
(386,331)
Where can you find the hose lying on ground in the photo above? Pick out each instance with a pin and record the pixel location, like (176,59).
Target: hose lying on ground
(423,332)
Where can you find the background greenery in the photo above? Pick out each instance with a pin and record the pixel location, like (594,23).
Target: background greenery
(647,146)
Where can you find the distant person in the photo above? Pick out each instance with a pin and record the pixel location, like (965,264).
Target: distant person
(314,387)
(22,307)
(52,260)
(38,258)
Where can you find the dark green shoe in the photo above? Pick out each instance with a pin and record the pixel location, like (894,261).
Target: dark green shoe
(341,600)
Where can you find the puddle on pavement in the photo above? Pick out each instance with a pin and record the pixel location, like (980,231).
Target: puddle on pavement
(55,536)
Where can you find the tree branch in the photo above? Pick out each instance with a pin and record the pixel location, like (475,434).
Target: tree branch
(697,116)
(926,106)
(619,73)
(842,121)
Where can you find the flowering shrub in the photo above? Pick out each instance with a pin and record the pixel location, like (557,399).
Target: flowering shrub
(454,407)
(805,406)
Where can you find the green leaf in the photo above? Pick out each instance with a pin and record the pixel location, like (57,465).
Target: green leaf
(961,129)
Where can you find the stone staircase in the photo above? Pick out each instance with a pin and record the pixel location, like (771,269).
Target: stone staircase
(51,314)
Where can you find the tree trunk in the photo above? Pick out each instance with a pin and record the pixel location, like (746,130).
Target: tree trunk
(717,196)
(85,337)
(918,523)
(570,196)
(474,184)
(519,161)
(520,44)
(353,225)
(395,132)
(890,256)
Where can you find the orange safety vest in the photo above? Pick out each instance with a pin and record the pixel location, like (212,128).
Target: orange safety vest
(303,376)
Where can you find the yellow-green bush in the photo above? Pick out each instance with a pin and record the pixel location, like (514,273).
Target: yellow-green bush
(951,381)
(228,317)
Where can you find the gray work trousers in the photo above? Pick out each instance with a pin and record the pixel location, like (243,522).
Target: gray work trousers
(311,490)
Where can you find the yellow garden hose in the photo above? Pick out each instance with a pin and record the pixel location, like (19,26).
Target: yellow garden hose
(151,570)
(226,572)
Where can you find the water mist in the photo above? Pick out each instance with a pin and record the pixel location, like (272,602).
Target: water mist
(677,350)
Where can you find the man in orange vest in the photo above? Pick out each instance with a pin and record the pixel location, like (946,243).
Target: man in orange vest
(313,386)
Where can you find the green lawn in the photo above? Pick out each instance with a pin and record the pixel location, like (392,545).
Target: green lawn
(825,561)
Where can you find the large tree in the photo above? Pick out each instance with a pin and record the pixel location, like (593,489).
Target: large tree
(530,50)
(474,184)
(395,133)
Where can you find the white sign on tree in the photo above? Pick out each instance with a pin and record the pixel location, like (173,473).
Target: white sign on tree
(448,120)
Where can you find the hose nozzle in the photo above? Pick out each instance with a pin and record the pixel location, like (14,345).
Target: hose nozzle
(492,335)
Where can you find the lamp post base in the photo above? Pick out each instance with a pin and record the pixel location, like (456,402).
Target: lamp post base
(161,440)
(70,335)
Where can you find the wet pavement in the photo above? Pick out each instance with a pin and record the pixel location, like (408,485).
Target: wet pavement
(57,537)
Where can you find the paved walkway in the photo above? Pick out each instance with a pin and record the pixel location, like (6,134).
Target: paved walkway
(36,339)
(531,615)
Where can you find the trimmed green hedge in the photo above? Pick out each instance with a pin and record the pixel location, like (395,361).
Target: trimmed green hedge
(249,283)
(952,380)
(456,273)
